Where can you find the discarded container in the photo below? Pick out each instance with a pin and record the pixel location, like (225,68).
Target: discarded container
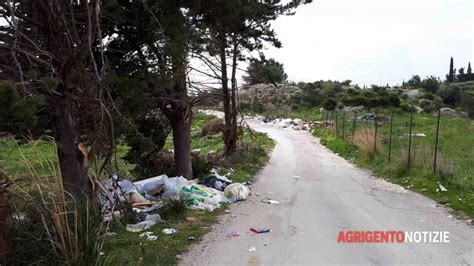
(260,230)
(237,191)
(252,249)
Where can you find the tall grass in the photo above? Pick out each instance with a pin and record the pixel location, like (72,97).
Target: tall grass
(365,140)
(49,224)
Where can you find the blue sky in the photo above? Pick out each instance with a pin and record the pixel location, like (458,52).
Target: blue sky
(378,41)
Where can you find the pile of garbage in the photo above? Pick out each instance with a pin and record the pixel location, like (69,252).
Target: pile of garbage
(146,197)
(295,124)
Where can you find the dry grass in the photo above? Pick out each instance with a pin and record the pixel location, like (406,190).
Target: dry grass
(364,139)
(49,224)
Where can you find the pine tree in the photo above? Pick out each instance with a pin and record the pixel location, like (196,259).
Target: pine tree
(469,70)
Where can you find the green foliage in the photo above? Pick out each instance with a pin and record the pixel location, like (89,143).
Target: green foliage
(451,95)
(265,71)
(330,104)
(19,114)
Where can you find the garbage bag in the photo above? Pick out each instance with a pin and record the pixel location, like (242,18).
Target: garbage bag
(202,198)
(237,191)
(173,187)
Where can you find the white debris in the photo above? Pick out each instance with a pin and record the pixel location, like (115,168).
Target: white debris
(442,189)
(168,231)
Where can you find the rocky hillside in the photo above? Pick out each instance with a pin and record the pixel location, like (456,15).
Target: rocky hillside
(267,97)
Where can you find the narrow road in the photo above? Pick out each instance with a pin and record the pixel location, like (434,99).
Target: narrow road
(320,194)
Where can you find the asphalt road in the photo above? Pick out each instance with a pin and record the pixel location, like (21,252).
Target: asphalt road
(321,194)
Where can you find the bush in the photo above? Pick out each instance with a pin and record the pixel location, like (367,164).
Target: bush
(163,163)
(214,126)
(18,115)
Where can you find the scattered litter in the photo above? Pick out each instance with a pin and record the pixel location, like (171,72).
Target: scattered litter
(237,191)
(168,231)
(442,189)
(217,181)
(296,176)
(233,216)
(149,236)
(270,201)
(233,234)
(191,238)
(138,227)
(252,249)
(260,230)
(228,211)
(199,197)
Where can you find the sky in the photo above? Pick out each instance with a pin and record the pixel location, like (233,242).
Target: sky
(375,42)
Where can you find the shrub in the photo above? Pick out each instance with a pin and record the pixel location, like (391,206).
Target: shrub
(214,126)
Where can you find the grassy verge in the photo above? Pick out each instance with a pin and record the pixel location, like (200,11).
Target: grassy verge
(454,164)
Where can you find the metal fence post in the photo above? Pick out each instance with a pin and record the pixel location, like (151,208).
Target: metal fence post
(343,125)
(390,143)
(337,122)
(375,136)
(409,141)
(436,143)
(354,125)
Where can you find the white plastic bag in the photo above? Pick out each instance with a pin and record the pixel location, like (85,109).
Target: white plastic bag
(237,191)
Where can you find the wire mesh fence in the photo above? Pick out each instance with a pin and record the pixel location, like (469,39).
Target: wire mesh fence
(430,144)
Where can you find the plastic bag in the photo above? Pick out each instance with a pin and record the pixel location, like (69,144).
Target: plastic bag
(237,191)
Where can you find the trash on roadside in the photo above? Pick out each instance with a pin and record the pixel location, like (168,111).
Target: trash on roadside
(252,249)
(138,227)
(199,197)
(191,238)
(270,201)
(260,230)
(149,236)
(441,188)
(233,234)
(237,191)
(168,231)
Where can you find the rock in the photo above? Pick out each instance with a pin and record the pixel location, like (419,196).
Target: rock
(413,94)
(268,96)
(450,112)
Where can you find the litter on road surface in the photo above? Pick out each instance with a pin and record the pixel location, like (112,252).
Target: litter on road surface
(260,230)
(233,234)
(270,201)
(252,249)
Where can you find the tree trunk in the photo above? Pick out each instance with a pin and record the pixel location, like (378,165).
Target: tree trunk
(180,119)
(227,133)
(233,135)
(182,143)
(71,159)
(5,210)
